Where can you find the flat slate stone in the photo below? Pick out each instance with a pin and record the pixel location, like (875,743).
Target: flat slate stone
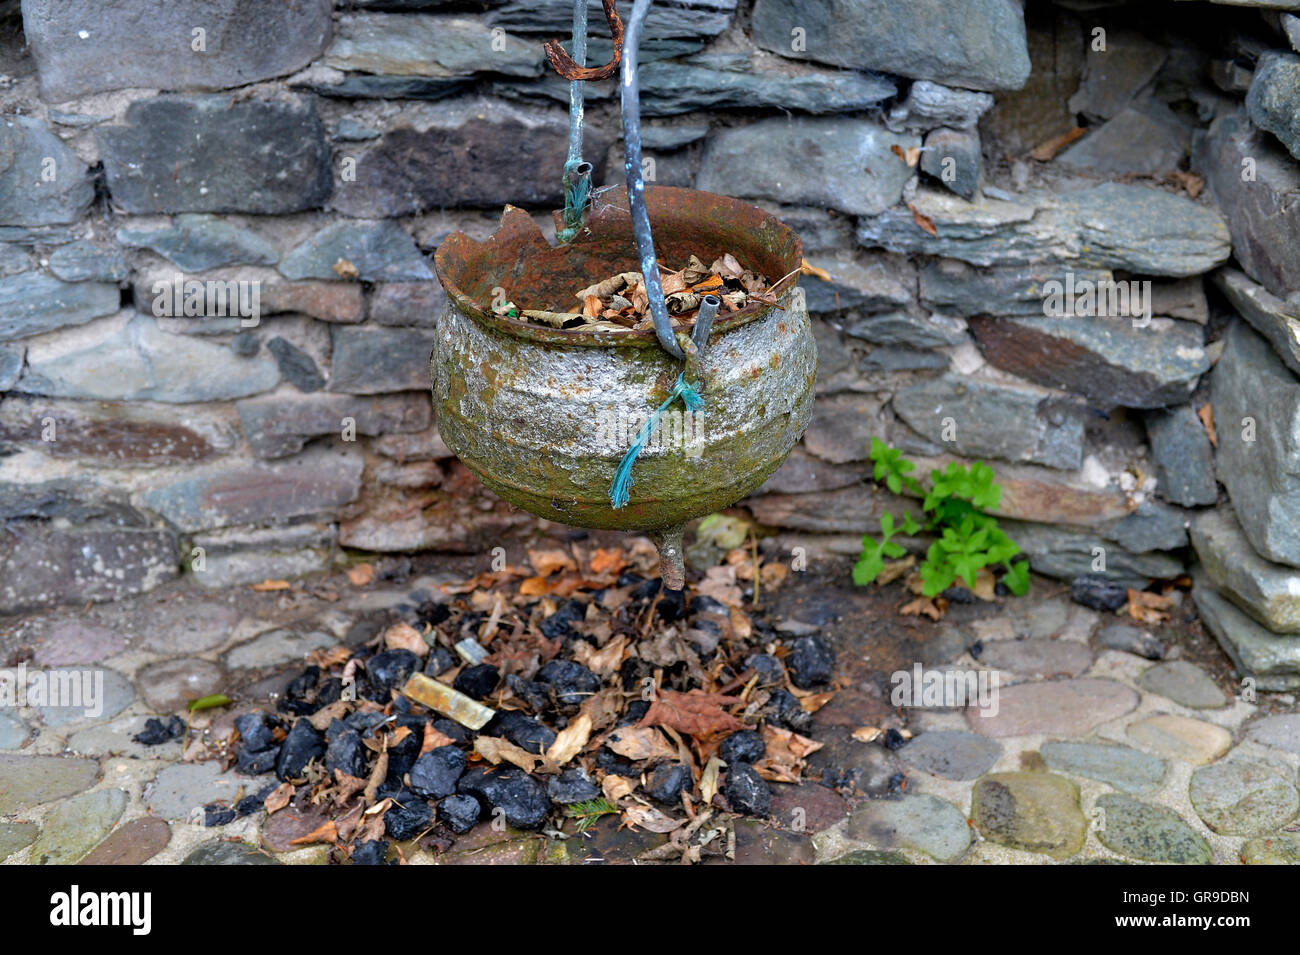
(1280,848)
(1244,797)
(1128,770)
(72,641)
(181,788)
(1150,833)
(1034,812)
(98,701)
(979,45)
(116,44)
(132,844)
(221,852)
(1270,659)
(1279,732)
(27,198)
(369,361)
(276,647)
(1183,457)
(273,156)
(168,685)
(431,45)
(1277,320)
(281,425)
(1038,657)
(952,754)
(379,251)
(809,161)
(1268,592)
(1011,422)
(1063,708)
(1181,738)
(15,836)
(1272,101)
(195,242)
(868,857)
(922,822)
(1130,639)
(77,826)
(33,303)
(27,781)
(1184,683)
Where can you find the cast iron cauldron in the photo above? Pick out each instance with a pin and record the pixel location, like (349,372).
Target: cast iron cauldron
(529,409)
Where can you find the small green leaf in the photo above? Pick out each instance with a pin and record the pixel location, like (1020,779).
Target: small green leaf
(209,702)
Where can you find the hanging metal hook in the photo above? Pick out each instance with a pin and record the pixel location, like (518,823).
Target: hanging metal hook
(645,246)
(567,67)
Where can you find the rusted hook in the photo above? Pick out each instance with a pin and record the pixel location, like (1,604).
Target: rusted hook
(567,67)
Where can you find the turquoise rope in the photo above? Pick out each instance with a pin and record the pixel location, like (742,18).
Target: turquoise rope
(619,491)
(576,196)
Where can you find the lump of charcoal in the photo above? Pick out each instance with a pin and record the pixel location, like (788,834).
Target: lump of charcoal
(452,730)
(373,852)
(742,746)
(536,695)
(671,605)
(746,791)
(811,662)
(1098,592)
(557,625)
(634,712)
(301,746)
(512,791)
(459,813)
(783,709)
(363,721)
(432,613)
(572,785)
(156,731)
(255,762)
(634,672)
(769,669)
(572,682)
(255,732)
(701,603)
(610,762)
(478,681)
(402,756)
(407,817)
(436,772)
(390,669)
(440,661)
(215,814)
(344,750)
(668,781)
(524,732)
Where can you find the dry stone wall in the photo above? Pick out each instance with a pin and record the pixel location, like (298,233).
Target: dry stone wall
(1059,235)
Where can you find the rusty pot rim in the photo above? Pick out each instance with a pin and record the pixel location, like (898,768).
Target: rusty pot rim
(518,234)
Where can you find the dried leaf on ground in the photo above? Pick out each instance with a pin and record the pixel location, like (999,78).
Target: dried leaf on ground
(547,562)
(693,713)
(607,561)
(867,734)
(927,606)
(924,222)
(494,750)
(570,741)
(807,268)
(1147,607)
(647,817)
(327,831)
(1206,413)
(280,797)
(616,787)
(895,569)
(361,574)
(270,585)
(640,742)
(402,636)
(911,156)
(604,661)
(1046,151)
(709,780)
(720,584)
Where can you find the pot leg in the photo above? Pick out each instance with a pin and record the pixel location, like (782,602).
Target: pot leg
(672,564)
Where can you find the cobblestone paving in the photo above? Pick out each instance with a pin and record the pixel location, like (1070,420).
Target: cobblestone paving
(1092,754)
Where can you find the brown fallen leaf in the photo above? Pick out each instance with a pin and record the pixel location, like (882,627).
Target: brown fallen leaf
(911,156)
(922,605)
(1147,607)
(402,636)
(607,561)
(604,661)
(1191,183)
(807,268)
(270,585)
(616,787)
(325,832)
(349,786)
(895,569)
(867,734)
(640,742)
(433,739)
(693,713)
(709,780)
(495,750)
(361,574)
(547,562)
(647,817)
(925,223)
(570,741)
(1046,151)
(321,719)
(280,797)
(1206,413)
(345,269)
